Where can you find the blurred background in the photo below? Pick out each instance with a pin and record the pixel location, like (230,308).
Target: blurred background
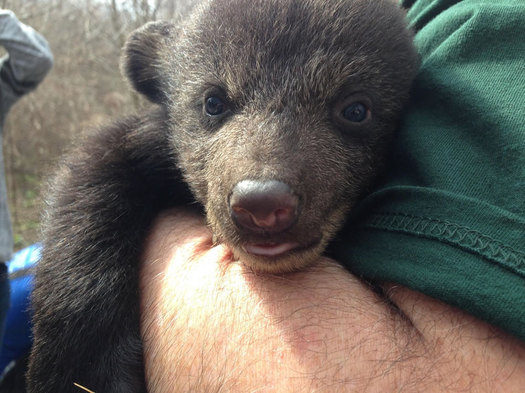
(84,89)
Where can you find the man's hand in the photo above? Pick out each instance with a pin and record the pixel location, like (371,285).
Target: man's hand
(212,325)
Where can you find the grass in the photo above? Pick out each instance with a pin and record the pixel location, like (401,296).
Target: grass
(25,205)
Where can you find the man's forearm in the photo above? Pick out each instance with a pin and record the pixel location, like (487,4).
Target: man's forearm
(211,325)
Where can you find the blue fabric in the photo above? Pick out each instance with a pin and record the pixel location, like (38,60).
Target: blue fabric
(4,300)
(17,337)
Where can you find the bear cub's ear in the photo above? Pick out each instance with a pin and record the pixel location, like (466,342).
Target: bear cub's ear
(141,59)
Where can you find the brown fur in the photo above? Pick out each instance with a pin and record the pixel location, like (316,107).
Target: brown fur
(286,70)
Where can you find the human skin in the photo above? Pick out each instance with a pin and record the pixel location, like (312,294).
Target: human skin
(210,324)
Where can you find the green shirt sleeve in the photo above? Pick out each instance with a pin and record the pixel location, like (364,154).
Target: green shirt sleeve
(448,219)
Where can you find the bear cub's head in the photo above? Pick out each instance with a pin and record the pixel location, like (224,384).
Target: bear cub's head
(280,113)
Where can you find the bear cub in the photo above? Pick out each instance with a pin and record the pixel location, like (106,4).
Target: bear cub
(273,115)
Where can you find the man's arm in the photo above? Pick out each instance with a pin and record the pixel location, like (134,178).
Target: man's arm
(210,324)
(27,62)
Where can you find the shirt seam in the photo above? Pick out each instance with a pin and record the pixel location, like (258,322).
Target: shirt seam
(453,234)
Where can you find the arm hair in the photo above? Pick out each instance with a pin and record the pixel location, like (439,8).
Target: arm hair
(212,325)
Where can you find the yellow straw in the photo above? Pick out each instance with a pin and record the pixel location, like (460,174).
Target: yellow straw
(82,387)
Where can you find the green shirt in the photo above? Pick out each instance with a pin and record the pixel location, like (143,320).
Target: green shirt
(448,219)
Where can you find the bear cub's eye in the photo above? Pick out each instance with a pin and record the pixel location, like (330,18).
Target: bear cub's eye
(356,112)
(214,106)
(353,112)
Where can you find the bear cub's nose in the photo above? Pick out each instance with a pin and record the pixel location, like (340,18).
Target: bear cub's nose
(263,205)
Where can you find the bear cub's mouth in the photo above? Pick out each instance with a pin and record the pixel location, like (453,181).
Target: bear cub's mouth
(274,256)
(270,249)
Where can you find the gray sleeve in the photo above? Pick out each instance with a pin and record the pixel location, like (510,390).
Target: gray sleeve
(27,62)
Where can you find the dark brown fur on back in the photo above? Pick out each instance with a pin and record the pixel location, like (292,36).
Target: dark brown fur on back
(285,73)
